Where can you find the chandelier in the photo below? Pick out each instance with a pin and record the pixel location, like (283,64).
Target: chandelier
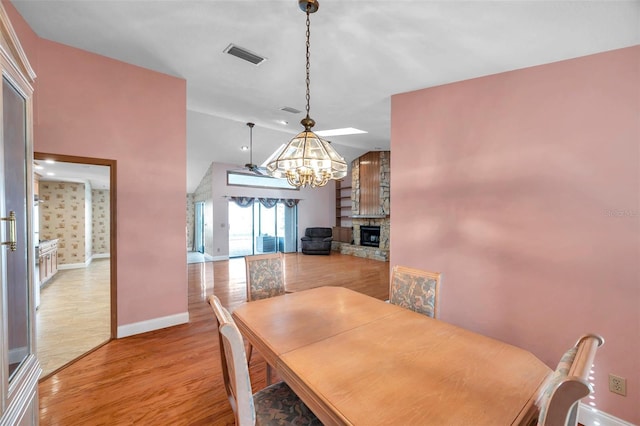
(307,160)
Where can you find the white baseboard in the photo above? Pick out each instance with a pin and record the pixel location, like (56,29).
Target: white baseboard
(74,265)
(85,264)
(589,416)
(152,324)
(216,258)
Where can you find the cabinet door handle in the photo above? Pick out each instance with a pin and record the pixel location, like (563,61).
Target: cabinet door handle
(12,243)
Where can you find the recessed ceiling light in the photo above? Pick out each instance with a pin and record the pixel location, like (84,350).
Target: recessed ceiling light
(50,174)
(244,148)
(340,132)
(283,122)
(50,161)
(38,167)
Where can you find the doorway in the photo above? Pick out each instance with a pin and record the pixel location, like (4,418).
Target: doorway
(262,227)
(199,227)
(81,223)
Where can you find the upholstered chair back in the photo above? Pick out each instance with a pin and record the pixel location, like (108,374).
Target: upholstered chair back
(415,289)
(265,276)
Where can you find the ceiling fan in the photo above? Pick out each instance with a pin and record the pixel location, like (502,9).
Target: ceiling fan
(253,168)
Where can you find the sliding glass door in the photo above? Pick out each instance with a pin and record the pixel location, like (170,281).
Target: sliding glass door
(256,228)
(240,230)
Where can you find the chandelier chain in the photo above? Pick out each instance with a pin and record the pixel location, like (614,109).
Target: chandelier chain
(307,160)
(308,80)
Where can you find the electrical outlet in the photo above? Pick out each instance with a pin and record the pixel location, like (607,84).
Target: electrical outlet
(618,384)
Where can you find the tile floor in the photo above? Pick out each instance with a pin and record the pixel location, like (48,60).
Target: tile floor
(74,314)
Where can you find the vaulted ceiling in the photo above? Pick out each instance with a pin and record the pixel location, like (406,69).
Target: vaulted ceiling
(361,54)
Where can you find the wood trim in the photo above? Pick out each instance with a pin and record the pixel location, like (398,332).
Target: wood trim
(62,367)
(15,50)
(113,244)
(370,183)
(112,164)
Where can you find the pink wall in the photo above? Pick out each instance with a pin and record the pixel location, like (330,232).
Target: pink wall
(92,106)
(527,188)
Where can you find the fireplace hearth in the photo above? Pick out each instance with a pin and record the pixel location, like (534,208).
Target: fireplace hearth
(370,236)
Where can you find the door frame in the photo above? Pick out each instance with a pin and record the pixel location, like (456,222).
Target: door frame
(113,229)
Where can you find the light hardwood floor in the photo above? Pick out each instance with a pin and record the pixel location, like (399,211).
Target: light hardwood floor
(74,314)
(173,376)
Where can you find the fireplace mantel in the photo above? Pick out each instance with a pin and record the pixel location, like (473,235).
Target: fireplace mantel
(370,216)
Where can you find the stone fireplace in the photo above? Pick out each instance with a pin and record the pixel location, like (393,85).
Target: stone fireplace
(370,202)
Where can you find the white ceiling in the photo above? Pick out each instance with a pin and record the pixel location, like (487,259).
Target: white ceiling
(361,54)
(97,176)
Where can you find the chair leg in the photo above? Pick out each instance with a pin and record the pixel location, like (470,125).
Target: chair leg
(268,374)
(268,369)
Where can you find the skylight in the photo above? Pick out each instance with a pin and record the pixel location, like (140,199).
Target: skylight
(340,132)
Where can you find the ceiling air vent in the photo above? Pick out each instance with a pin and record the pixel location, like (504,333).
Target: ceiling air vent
(291,110)
(242,53)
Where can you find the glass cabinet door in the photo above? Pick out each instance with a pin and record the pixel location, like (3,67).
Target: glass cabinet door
(14,211)
(19,367)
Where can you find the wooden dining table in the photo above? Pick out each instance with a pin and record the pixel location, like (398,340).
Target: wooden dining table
(356,360)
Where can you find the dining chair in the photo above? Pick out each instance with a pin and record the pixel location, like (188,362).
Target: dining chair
(265,278)
(276,404)
(415,289)
(563,390)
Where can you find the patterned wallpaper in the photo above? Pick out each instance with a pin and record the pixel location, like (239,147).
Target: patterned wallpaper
(101,220)
(62,216)
(190,221)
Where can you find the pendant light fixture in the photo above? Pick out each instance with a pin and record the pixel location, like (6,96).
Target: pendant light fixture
(307,160)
